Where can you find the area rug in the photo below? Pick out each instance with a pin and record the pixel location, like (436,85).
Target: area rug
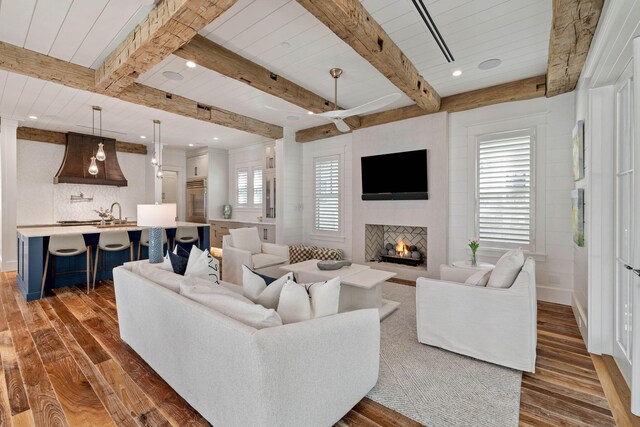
(436,387)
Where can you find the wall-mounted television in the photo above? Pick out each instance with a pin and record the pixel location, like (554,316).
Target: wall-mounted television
(395,176)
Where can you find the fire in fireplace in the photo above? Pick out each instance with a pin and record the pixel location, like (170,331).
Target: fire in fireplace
(401,254)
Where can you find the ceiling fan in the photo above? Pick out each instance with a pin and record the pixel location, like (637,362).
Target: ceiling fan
(337,116)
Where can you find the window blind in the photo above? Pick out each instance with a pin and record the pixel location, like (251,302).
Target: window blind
(242,185)
(257,186)
(505,204)
(327,193)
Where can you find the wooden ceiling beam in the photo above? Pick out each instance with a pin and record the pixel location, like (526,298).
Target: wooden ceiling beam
(169,25)
(60,138)
(33,64)
(350,21)
(212,56)
(533,87)
(573,26)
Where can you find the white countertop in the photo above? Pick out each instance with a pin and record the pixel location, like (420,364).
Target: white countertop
(88,229)
(239,221)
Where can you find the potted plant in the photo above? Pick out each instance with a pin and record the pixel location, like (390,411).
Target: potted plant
(474,244)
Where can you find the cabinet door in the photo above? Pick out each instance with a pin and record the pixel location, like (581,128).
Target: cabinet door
(202,166)
(191,167)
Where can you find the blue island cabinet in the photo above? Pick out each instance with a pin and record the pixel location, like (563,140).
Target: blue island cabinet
(32,250)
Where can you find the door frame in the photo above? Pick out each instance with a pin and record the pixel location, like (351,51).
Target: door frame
(182,189)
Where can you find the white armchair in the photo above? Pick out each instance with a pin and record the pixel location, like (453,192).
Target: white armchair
(491,324)
(264,258)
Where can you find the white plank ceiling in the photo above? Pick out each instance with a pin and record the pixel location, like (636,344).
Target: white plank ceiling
(278,34)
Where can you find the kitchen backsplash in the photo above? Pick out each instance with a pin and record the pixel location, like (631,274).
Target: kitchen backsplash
(64,209)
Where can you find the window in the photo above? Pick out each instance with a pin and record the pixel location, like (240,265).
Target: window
(242,187)
(327,194)
(505,200)
(257,186)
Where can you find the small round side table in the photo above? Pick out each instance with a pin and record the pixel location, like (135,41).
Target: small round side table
(467,264)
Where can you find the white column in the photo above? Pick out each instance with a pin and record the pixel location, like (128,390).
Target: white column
(8,194)
(288,189)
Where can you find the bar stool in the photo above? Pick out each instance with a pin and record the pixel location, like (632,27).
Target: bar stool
(186,235)
(144,240)
(112,241)
(66,245)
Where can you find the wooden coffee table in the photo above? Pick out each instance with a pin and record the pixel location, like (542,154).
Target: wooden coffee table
(361,286)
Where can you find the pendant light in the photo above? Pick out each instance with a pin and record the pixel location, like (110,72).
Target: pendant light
(93,168)
(156,160)
(100,155)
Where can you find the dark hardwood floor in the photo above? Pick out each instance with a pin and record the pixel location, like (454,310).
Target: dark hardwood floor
(63,364)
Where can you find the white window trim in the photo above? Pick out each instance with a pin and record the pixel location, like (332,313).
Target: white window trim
(538,185)
(326,234)
(249,168)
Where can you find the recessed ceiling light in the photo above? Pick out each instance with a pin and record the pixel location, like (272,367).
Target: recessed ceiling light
(215,138)
(172,75)
(292,117)
(489,64)
(143,137)
(310,113)
(33,117)
(190,64)
(457,73)
(190,145)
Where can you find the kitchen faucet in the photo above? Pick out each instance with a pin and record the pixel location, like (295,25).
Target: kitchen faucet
(119,211)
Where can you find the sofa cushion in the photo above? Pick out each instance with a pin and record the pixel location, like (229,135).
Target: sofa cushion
(266,260)
(229,303)
(168,279)
(507,269)
(256,289)
(300,302)
(246,239)
(300,253)
(328,254)
(201,264)
(479,278)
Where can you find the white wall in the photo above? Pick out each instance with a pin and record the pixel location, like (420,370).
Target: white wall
(289,189)
(428,132)
(8,194)
(39,201)
(554,120)
(217,182)
(246,157)
(338,145)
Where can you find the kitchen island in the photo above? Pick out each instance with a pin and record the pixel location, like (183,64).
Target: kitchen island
(33,243)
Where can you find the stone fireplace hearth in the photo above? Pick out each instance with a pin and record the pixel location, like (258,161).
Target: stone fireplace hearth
(400,244)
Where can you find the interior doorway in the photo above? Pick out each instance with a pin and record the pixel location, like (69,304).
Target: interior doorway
(170,187)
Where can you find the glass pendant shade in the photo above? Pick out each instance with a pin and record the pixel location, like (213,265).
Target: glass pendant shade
(154,160)
(100,156)
(159,174)
(93,168)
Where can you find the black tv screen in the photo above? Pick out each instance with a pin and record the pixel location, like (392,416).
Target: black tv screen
(396,176)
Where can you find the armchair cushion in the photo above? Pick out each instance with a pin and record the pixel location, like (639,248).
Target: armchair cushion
(246,239)
(479,278)
(507,269)
(263,260)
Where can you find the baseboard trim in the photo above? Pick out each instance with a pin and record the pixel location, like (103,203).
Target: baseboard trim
(581,319)
(553,294)
(9,265)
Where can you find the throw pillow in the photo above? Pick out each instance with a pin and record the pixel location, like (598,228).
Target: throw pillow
(507,269)
(229,303)
(246,239)
(201,264)
(300,253)
(167,279)
(294,305)
(328,254)
(479,278)
(300,302)
(256,289)
(179,262)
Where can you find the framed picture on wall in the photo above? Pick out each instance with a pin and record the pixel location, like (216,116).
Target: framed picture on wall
(577,216)
(578,151)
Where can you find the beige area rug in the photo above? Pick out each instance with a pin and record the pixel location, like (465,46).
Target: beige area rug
(436,387)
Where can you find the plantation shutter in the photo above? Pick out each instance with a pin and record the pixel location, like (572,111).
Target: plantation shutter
(242,186)
(505,202)
(327,193)
(257,186)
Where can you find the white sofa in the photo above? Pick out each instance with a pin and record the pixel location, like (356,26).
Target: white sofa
(491,324)
(302,374)
(267,262)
